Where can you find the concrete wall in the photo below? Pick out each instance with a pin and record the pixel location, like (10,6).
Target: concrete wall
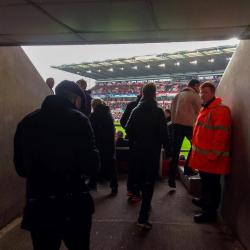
(234,90)
(22,91)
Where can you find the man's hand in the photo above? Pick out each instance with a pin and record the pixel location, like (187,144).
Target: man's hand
(169,159)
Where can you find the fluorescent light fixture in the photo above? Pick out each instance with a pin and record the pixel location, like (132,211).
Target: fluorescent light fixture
(162,65)
(194,62)
(111,69)
(177,63)
(147,66)
(135,67)
(99,70)
(121,68)
(145,57)
(211,60)
(88,71)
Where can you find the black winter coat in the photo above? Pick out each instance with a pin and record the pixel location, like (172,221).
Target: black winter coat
(120,142)
(53,148)
(127,112)
(86,105)
(103,125)
(147,128)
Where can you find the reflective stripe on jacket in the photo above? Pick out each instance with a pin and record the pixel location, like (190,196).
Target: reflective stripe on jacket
(211,139)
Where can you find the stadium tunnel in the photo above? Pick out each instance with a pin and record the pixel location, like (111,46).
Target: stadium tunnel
(22,90)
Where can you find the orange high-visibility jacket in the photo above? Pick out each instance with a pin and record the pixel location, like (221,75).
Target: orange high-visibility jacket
(211,139)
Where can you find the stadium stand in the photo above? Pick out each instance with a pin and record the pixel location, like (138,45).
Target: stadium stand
(116,95)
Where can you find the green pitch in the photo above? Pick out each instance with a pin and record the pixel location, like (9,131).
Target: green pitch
(185,145)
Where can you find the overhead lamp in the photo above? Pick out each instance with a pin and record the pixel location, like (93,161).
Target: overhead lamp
(147,66)
(211,60)
(99,70)
(110,69)
(135,67)
(194,62)
(162,65)
(177,63)
(121,68)
(88,71)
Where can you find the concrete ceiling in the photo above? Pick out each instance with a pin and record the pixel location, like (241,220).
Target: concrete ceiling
(41,22)
(208,61)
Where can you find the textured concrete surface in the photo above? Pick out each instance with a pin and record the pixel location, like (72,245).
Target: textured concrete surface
(114,224)
(234,90)
(22,90)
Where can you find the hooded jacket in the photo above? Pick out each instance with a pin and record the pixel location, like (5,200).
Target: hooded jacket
(103,126)
(185,107)
(147,127)
(127,112)
(53,148)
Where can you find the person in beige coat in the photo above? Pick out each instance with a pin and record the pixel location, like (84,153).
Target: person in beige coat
(185,108)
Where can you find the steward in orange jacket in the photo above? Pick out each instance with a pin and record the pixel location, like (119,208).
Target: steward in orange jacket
(211,139)
(210,151)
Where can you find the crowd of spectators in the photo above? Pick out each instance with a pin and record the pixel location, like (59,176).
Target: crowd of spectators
(117,107)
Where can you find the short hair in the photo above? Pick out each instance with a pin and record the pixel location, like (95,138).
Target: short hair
(82,83)
(141,89)
(49,79)
(208,85)
(67,94)
(119,134)
(97,101)
(168,111)
(149,90)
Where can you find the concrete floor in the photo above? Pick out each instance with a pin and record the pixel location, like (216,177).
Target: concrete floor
(114,224)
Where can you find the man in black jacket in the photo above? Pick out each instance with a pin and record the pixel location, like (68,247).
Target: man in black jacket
(86,106)
(54,147)
(103,126)
(123,121)
(121,142)
(147,129)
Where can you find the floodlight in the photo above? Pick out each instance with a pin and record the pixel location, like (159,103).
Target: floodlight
(121,68)
(162,65)
(88,71)
(177,63)
(99,70)
(147,66)
(110,69)
(211,60)
(194,62)
(135,67)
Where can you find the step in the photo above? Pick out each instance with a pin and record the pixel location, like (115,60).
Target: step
(192,182)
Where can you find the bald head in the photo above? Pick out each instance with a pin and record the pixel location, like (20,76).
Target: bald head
(50,81)
(95,102)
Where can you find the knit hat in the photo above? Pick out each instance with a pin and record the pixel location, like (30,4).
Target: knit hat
(69,86)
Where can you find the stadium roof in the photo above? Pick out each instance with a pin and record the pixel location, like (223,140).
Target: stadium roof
(205,61)
(41,22)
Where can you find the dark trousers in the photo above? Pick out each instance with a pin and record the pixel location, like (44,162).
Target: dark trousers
(43,240)
(107,166)
(132,168)
(179,133)
(147,167)
(211,191)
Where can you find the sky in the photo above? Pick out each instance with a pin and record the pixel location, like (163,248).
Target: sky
(43,57)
